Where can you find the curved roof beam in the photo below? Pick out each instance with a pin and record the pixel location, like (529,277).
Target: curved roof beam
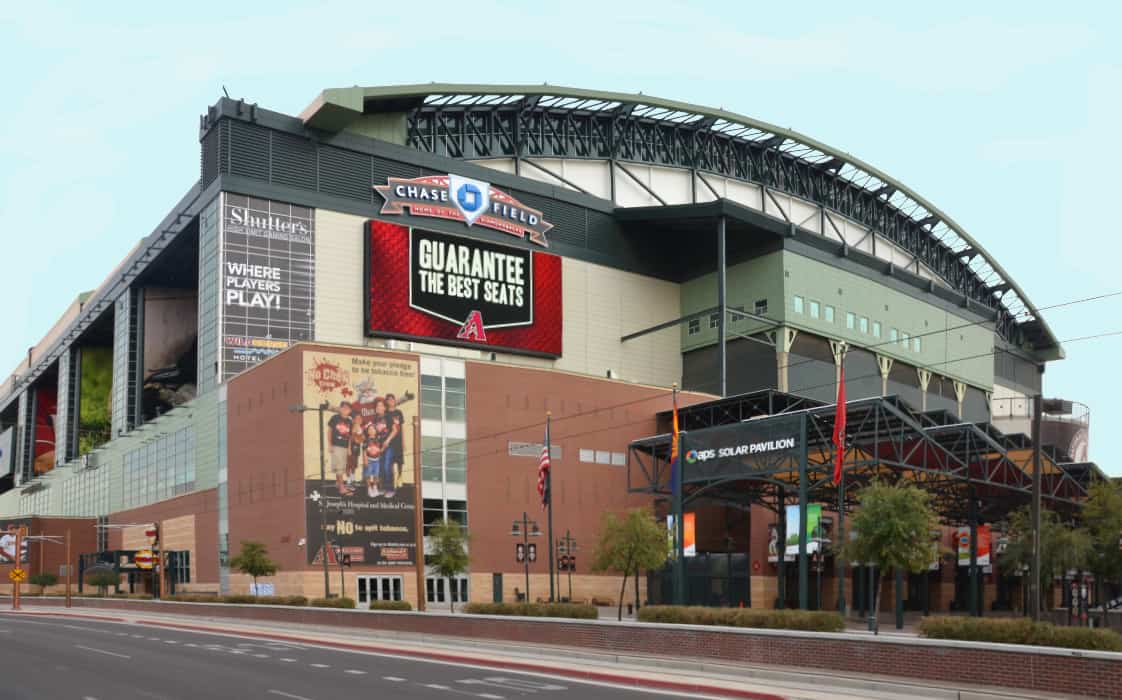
(336,107)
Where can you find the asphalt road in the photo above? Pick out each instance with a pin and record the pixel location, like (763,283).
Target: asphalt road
(68,659)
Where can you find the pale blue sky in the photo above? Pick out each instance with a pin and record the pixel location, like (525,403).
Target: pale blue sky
(1005,116)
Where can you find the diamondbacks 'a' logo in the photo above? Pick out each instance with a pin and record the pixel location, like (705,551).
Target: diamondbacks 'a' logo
(473,328)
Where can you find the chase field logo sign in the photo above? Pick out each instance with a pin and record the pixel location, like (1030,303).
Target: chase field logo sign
(458,198)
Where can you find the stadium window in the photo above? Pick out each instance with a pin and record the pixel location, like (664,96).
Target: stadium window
(904,340)
(829,311)
(850,320)
(892,334)
(714,320)
(864,325)
(694,326)
(760,307)
(916,344)
(798,302)
(738,316)
(876,329)
(814,309)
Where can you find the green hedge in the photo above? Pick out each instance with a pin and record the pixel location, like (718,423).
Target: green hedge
(1019,631)
(577,611)
(810,620)
(347,603)
(293,600)
(390,605)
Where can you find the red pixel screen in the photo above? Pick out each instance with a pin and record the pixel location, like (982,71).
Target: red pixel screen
(438,287)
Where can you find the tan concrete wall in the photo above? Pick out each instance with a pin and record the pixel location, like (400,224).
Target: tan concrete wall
(600,304)
(176,534)
(310,582)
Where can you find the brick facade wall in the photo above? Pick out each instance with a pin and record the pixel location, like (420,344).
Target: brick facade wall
(1055,671)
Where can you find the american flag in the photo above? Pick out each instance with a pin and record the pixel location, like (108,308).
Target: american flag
(543,469)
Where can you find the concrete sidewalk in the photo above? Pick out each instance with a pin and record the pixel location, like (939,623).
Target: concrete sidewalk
(703,677)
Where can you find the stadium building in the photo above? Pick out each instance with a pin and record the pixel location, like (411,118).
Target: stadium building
(357,319)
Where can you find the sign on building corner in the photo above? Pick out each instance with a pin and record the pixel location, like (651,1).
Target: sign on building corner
(458,198)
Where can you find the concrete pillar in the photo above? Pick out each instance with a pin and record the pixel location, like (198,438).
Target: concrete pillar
(960,395)
(784,339)
(885,366)
(838,348)
(924,382)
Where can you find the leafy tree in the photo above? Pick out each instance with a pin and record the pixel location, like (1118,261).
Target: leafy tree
(893,531)
(1062,547)
(628,545)
(254,561)
(102,579)
(42,580)
(449,556)
(1102,515)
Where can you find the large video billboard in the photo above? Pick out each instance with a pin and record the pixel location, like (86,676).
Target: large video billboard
(268,279)
(438,287)
(369,489)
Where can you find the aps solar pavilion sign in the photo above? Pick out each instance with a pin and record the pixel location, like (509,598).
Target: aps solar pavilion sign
(458,198)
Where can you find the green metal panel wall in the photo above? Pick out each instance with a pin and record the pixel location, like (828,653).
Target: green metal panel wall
(950,344)
(759,278)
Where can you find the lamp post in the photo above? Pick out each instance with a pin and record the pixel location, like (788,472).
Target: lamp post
(567,547)
(321,409)
(525,528)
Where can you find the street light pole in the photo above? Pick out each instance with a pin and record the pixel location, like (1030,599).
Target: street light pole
(1034,576)
(526,528)
(323,503)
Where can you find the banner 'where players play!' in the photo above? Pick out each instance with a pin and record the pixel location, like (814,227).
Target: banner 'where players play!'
(434,286)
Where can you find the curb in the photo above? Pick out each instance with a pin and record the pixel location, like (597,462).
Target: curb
(73,616)
(604,677)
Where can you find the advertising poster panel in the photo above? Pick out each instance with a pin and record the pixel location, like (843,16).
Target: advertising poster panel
(689,534)
(813,526)
(268,280)
(8,541)
(461,291)
(369,489)
(7,458)
(93,398)
(963,538)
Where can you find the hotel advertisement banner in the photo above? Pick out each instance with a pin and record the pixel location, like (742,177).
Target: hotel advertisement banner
(267,280)
(369,489)
(437,287)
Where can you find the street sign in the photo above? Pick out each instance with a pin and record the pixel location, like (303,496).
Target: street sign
(144,559)
(152,532)
(533,553)
(519,553)
(17,575)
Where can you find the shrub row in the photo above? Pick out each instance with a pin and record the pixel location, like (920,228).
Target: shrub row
(390,605)
(347,603)
(294,600)
(1019,631)
(809,620)
(577,611)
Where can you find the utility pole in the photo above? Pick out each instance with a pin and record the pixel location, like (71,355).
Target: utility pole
(69,568)
(1034,574)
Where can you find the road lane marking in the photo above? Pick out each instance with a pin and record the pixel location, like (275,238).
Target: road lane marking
(395,679)
(320,665)
(490,697)
(288,695)
(170,641)
(355,672)
(261,656)
(287,660)
(436,686)
(103,651)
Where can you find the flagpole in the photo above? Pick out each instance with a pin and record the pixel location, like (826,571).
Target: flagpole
(549,508)
(838,558)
